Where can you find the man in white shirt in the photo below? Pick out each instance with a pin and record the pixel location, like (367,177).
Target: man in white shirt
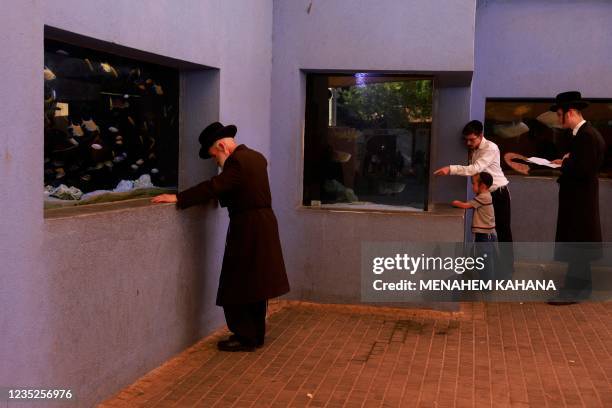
(484,156)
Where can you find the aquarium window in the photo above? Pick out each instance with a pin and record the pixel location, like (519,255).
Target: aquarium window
(367,140)
(525,128)
(111,126)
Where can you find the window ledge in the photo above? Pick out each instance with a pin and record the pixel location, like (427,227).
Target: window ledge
(439,209)
(511,177)
(92,209)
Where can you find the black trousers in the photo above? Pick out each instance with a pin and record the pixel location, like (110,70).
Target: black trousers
(247,321)
(578,280)
(503,217)
(485,247)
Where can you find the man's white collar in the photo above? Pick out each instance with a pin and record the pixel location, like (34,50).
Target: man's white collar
(482,143)
(577,128)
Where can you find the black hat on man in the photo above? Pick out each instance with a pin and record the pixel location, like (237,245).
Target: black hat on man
(569,100)
(211,134)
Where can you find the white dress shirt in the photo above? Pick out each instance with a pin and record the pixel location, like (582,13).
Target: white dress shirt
(484,158)
(577,128)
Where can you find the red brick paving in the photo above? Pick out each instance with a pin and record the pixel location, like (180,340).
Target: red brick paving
(494,354)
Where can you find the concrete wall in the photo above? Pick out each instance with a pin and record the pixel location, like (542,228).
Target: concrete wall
(322,248)
(528,48)
(534,208)
(452,113)
(93,302)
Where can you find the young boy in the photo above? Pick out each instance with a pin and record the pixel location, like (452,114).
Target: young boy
(483,219)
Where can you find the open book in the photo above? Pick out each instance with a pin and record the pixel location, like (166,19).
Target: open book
(543,162)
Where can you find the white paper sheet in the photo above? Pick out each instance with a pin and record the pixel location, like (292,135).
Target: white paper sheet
(543,162)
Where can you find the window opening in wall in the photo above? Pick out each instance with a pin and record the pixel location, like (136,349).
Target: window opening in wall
(367,140)
(111,126)
(524,129)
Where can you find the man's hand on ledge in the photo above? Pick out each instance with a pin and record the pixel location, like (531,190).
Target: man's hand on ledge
(164,198)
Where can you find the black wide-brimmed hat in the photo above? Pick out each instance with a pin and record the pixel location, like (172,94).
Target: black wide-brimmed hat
(567,100)
(211,134)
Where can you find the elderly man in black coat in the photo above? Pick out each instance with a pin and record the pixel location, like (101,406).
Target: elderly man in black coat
(578,234)
(253,269)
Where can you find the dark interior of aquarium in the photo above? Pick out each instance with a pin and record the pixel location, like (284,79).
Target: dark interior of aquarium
(111,125)
(526,127)
(367,139)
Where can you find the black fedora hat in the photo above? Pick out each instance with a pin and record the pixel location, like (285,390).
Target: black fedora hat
(567,100)
(211,134)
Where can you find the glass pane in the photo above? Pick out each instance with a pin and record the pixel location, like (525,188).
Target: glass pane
(111,126)
(367,140)
(525,128)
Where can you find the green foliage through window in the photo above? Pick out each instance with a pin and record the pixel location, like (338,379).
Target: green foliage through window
(386,105)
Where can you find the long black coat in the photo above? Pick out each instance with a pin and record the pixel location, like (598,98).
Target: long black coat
(578,217)
(253,267)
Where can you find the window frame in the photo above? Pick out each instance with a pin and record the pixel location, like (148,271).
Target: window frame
(546,100)
(207,92)
(371,207)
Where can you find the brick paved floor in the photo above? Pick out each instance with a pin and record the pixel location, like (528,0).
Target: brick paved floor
(501,355)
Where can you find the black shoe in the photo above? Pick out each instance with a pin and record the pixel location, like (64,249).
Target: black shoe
(561,301)
(235,337)
(234,345)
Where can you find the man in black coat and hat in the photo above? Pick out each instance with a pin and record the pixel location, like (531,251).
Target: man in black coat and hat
(253,269)
(578,234)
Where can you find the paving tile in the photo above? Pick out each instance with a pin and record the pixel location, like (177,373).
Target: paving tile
(316,355)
